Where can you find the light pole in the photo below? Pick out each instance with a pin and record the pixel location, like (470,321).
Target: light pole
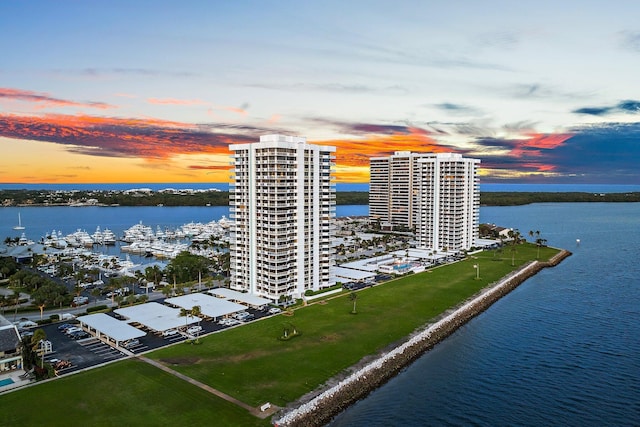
(477,267)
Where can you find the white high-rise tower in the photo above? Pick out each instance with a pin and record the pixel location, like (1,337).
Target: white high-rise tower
(435,193)
(282,203)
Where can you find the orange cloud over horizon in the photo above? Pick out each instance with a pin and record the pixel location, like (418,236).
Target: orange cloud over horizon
(181,152)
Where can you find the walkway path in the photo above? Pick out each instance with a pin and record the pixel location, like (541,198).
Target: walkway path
(254,411)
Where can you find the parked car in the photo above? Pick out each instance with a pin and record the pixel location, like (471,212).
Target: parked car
(80,300)
(71,330)
(274,310)
(169,332)
(131,343)
(65,326)
(194,330)
(243,315)
(78,335)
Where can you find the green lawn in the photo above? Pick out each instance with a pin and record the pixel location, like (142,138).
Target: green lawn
(251,364)
(128,393)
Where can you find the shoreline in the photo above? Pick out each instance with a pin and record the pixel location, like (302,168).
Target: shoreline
(319,407)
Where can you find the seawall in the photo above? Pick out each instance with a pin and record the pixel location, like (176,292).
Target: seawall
(330,402)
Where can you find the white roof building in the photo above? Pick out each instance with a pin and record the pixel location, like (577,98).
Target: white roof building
(210,306)
(155,316)
(104,325)
(240,297)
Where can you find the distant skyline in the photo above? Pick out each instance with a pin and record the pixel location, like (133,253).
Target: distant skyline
(155,91)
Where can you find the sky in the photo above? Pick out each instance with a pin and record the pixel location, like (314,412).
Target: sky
(155,91)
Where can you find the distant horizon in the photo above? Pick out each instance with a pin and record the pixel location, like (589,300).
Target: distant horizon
(340,187)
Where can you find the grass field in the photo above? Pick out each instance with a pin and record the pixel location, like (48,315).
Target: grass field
(127,393)
(251,364)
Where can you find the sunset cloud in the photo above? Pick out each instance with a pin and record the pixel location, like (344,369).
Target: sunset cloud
(588,151)
(43,100)
(118,137)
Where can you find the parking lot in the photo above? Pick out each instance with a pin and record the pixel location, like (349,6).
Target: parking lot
(91,351)
(81,353)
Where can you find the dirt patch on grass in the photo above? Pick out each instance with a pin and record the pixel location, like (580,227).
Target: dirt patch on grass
(180,361)
(329,338)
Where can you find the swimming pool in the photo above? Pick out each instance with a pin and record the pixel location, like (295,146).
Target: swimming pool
(5,382)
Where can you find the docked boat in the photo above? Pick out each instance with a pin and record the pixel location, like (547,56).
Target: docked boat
(79,238)
(108,237)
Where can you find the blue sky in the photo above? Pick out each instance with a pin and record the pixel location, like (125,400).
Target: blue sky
(542,92)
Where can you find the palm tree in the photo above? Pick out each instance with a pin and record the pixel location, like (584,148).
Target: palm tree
(185,313)
(16,295)
(515,240)
(152,274)
(38,336)
(95,293)
(167,291)
(353,297)
(196,311)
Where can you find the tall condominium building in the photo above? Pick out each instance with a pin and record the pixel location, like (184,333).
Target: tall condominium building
(435,193)
(282,203)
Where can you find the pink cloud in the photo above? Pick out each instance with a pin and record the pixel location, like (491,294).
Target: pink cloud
(43,100)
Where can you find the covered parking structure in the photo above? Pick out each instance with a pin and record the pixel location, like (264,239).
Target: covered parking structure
(351,275)
(210,306)
(250,300)
(156,317)
(108,329)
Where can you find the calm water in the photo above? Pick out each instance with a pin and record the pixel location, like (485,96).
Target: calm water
(562,349)
(39,221)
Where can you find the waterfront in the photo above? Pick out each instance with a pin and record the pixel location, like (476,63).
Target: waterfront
(562,349)
(41,220)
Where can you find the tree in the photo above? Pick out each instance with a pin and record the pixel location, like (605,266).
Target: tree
(167,291)
(130,299)
(48,294)
(95,293)
(353,297)
(28,355)
(538,241)
(515,240)
(16,297)
(184,267)
(38,336)
(185,313)
(113,284)
(152,274)
(78,289)
(196,311)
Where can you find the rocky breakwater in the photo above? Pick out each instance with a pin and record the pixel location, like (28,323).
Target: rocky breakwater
(320,409)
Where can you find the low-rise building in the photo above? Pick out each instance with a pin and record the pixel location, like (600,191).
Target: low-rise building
(10,351)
